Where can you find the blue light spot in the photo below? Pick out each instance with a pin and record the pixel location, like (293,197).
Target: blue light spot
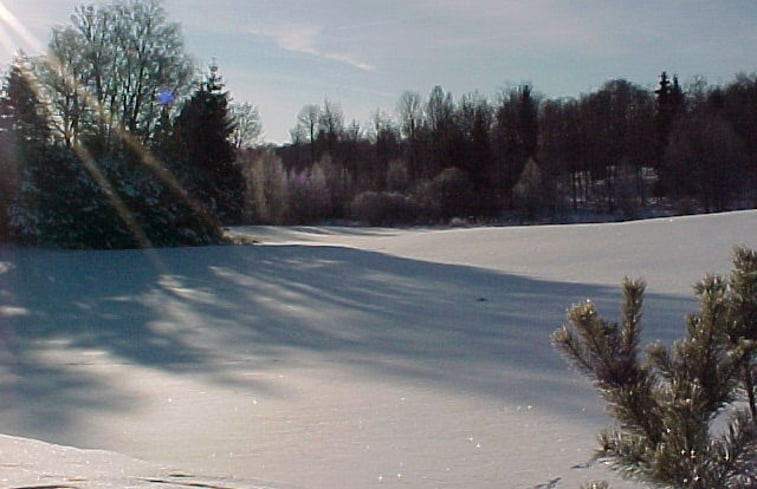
(166,97)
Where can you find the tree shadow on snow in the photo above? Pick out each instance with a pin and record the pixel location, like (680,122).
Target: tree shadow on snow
(213,311)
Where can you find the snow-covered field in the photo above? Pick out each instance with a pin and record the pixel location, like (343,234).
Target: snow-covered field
(327,358)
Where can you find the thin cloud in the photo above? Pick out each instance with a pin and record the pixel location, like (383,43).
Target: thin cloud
(304,39)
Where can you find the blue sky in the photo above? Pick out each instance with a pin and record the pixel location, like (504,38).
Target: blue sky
(283,54)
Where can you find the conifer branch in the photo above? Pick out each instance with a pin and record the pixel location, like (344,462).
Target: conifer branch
(665,406)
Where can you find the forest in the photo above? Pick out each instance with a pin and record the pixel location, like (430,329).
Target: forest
(113,140)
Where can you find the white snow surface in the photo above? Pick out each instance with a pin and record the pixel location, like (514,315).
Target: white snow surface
(328,358)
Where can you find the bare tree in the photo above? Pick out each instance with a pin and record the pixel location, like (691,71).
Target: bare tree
(307,120)
(331,124)
(247,125)
(113,66)
(410,114)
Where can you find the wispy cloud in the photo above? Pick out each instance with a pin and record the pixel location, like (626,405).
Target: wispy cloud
(304,39)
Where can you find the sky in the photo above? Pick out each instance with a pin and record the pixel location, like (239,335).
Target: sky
(281,55)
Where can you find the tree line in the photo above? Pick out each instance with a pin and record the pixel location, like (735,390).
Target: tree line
(114,139)
(618,150)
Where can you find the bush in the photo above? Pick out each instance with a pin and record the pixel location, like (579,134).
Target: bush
(455,193)
(310,198)
(383,208)
(426,197)
(529,195)
(668,404)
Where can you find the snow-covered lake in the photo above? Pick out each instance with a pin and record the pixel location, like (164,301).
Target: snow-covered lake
(328,358)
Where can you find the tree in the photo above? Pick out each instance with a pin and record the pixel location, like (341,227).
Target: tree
(267,188)
(206,163)
(670,407)
(106,71)
(669,106)
(410,114)
(528,121)
(25,135)
(515,138)
(307,124)
(30,116)
(704,160)
(440,115)
(353,137)
(8,163)
(619,122)
(555,149)
(741,112)
(386,141)
(331,125)
(247,125)
(475,119)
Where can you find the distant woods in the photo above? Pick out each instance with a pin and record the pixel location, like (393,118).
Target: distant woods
(114,139)
(623,151)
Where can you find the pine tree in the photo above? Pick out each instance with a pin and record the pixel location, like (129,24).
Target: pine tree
(206,162)
(666,405)
(669,106)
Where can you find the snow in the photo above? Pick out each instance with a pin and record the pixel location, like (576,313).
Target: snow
(328,357)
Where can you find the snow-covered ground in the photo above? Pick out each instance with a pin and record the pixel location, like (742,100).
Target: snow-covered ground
(327,357)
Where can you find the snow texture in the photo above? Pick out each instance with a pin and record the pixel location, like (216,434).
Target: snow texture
(327,357)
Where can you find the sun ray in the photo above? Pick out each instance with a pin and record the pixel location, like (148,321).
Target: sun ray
(17,27)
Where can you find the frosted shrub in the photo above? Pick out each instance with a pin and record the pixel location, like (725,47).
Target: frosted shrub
(267,201)
(310,200)
(529,195)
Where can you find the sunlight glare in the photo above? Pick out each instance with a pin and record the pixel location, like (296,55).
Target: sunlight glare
(10,20)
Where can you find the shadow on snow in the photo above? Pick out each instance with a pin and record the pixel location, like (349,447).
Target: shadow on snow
(214,311)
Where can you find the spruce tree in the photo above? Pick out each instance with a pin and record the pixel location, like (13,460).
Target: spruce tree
(686,415)
(669,107)
(206,160)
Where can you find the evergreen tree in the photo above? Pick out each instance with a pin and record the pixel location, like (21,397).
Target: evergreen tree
(667,405)
(206,161)
(669,106)
(528,122)
(58,202)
